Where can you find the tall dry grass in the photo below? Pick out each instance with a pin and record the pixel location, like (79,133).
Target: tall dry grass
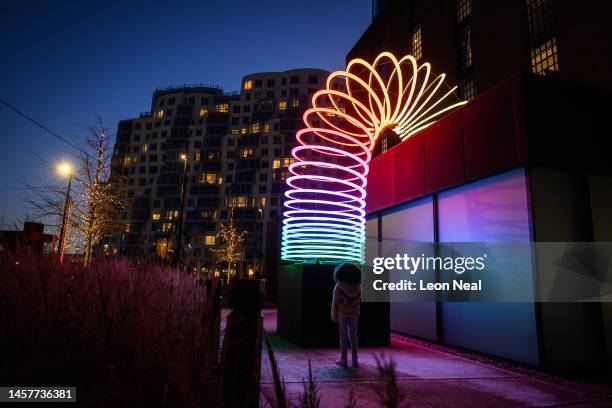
(124,334)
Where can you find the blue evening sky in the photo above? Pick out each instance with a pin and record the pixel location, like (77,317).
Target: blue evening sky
(64,62)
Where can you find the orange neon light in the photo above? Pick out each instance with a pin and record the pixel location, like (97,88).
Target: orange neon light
(325,206)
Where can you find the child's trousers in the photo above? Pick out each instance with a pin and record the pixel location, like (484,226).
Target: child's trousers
(348,331)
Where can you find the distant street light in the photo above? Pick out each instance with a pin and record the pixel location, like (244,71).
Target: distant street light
(65,169)
(179,247)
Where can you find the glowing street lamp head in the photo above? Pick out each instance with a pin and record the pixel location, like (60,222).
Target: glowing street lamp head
(324,217)
(183,156)
(65,169)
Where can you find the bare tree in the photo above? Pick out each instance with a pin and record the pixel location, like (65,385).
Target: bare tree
(98,201)
(95,201)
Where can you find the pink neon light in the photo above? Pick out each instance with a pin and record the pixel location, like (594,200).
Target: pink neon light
(325,206)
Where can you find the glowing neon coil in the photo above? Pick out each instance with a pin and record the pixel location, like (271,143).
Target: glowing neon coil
(324,219)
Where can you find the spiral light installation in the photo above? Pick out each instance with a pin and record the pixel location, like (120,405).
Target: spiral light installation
(324,217)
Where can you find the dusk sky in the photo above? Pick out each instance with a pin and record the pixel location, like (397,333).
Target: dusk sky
(65,62)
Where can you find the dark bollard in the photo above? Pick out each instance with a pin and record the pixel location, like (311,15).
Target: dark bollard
(241,354)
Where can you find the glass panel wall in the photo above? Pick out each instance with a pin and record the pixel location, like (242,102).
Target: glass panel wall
(495,209)
(402,226)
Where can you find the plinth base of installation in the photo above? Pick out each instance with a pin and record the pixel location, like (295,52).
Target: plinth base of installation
(304,309)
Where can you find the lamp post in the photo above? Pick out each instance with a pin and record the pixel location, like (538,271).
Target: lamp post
(65,169)
(179,247)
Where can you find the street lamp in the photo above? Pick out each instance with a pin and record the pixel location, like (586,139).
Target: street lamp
(179,247)
(65,169)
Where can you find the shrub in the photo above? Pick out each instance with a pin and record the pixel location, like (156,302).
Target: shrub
(122,333)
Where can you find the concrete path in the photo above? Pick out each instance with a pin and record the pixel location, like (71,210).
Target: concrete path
(427,377)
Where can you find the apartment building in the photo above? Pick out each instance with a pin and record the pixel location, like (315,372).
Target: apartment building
(233,150)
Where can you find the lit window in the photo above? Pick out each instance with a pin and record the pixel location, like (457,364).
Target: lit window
(467,89)
(464,9)
(283,175)
(220,180)
(255,128)
(127,160)
(208,178)
(211,155)
(235,131)
(209,240)
(543,43)
(243,131)
(167,227)
(145,148)
(197,156)
(287,161)
(171,214)
(155,215)
(282,105)
(266,127)
(276,164)
(262,201)
(203,112)
(544,59)
(295,102)
(206,214)
(160,113)
(238,201)
(465,46)
(126,227)
(246,152)
(223,107)
(416,42)
(248,84)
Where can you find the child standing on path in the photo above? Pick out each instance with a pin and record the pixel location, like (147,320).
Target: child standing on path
(346,304)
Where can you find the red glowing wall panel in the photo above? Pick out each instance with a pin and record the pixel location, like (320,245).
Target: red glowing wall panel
(444,164)
(410,169)
(381,183)
(486,136)
(488,133)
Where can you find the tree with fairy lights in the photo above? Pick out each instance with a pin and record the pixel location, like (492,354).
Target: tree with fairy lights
(231,249)
(95,200)
(99,199)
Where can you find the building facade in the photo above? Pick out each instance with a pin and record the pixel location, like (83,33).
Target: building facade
(479,43)
(234,150)
(523,161)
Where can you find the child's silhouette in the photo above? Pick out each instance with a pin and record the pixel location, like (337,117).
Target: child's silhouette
(345,308)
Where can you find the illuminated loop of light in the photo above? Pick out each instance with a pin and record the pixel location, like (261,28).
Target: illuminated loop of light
(324,218)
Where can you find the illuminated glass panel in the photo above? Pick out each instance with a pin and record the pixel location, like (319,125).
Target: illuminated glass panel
(402,229)
(495,209)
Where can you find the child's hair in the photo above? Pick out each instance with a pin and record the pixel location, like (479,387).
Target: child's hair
(348,272)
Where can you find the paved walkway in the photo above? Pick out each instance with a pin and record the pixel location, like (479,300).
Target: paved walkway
(428,377)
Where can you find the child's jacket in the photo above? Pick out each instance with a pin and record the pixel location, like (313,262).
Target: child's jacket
(346,300)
